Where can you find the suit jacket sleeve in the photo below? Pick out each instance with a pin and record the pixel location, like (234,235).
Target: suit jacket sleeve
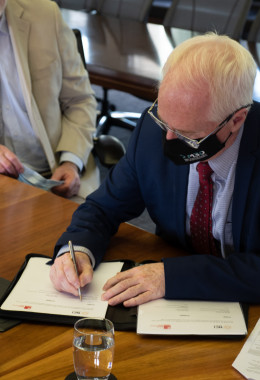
(117,200)
(76,98)
(55,75)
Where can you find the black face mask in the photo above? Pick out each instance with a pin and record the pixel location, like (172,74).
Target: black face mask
(182,154)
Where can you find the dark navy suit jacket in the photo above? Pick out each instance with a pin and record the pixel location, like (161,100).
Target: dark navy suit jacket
(144,177)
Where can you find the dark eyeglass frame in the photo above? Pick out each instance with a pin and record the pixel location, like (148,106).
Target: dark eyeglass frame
(191,142)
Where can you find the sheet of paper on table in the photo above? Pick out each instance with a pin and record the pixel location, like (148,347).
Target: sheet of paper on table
(170,317)
(35,292)
(248,360)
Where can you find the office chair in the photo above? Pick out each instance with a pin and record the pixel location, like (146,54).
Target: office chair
(123,9)
(108,149)
(132,9)
(254,31)
(223,16)
(253,37)
(87,5)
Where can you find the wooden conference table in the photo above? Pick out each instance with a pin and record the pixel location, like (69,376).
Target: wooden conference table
(128,55)
(31,220)
(122,54)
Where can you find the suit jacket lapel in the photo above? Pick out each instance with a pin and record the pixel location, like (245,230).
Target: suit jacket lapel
(19,31)
(181,186)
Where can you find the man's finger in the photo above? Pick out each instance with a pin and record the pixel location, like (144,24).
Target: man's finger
(121,287)
(60,280)
(121,276)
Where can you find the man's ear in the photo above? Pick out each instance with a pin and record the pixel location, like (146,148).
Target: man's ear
(238,119)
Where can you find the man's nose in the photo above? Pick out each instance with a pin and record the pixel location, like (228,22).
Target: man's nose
(170,135)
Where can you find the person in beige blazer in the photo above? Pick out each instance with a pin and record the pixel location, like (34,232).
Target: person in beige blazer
(55,97)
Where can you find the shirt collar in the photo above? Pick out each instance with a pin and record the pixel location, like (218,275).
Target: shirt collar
(221,165)
(3,24)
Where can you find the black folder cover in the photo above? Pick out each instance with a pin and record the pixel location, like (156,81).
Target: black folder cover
(6,323)
(122,317)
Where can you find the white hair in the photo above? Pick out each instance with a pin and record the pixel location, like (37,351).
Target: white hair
(222,64)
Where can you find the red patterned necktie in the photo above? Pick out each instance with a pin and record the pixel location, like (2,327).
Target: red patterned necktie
(201,219)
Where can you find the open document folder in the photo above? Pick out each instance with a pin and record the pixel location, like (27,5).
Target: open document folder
(32,296)
(34,292)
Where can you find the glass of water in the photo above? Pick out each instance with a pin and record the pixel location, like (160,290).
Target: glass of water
(93,348)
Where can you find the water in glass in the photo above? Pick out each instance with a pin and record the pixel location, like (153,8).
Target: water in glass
(93,353)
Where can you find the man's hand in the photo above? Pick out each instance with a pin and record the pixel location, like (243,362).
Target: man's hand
(67,172)
(9,163)
(136,286)
(63,274)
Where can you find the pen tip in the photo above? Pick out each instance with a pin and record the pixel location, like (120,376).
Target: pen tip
(80,295)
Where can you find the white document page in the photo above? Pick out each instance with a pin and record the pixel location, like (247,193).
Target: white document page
(248,360)
(169,317)
(35,292)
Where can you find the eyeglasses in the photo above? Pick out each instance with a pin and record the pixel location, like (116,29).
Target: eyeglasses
(193,143)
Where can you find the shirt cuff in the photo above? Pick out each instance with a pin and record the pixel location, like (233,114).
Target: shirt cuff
(71,157)
(78,248)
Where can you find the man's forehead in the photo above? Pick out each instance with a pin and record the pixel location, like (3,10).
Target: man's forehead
(183,100)
(182,109)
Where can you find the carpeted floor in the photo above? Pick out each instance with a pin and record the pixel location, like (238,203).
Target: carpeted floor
(128,103)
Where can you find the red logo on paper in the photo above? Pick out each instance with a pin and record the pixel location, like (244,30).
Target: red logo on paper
(27,307)
(164,327)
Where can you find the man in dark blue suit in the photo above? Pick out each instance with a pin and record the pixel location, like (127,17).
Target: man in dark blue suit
(205,112)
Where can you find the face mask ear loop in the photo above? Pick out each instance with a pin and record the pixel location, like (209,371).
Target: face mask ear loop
(228,138)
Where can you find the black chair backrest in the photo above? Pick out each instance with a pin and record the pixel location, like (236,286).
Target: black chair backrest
(224,16)
(80,45)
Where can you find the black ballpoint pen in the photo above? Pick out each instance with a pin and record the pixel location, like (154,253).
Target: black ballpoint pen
(72,254)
